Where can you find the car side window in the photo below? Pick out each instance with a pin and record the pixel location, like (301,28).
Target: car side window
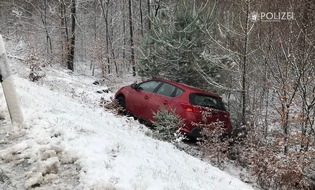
(149,86)
(166,89)
(178,92)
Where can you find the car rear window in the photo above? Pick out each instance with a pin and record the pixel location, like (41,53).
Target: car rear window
(206,101)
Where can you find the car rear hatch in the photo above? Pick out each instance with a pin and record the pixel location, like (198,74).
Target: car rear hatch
(209,109)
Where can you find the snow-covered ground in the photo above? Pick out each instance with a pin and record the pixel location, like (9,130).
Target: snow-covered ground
(69,142)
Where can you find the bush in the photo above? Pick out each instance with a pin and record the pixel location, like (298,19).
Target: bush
(271,167)
(167,125)
(34,62)
(214,143)
(263,157)
(36,73)
(112,105)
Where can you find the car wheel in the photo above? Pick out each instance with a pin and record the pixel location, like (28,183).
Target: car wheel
(122,101)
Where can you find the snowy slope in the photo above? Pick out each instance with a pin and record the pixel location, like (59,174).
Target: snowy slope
(69,142)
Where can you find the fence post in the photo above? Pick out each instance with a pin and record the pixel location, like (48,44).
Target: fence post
(9,87)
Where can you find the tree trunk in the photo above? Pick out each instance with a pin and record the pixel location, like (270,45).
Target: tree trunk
(64,32)
(141,18)
(105,15)
(124,35)
(131,40)
(72,40)
(44,20)
(149,15)
(244,73)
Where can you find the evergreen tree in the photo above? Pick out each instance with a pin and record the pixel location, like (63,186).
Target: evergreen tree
(167,125)
(176,46)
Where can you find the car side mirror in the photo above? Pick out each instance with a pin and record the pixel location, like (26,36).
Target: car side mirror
(134,86)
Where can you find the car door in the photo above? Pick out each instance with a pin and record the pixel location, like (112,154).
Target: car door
(139,97)
(163,97)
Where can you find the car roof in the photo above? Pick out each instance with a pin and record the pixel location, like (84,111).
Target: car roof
(187,87)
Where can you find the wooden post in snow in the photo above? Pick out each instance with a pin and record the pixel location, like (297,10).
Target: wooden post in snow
(8,87)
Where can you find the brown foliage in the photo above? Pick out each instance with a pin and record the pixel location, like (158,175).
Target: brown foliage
(214,144)
(264,157)
(112,105)
(272,168)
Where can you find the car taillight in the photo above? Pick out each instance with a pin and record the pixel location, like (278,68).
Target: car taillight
(189,107)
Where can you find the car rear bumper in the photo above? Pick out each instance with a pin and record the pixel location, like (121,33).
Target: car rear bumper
(195,131)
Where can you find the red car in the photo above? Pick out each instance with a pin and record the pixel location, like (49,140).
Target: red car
(143,99)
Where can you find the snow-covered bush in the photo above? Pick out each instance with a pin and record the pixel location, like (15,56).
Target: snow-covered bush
(214,142)
(167,125)
(214,145)
(34,63)
(36,73)
(270,165)
(265,159)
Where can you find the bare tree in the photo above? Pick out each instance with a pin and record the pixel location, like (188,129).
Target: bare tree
(149,14)
(70,59)
(133,63)
(64,31)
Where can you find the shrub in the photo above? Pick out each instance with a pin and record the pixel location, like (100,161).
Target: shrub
(36,72)
(167,125)
(214,143)
(112,105)
(270,166)
(34,62)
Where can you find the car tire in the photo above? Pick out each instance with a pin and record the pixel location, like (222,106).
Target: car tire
(122,102)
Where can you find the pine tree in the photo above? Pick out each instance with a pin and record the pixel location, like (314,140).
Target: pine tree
(176,46)
(167,125)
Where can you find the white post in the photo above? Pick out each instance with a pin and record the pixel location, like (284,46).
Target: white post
(8,87)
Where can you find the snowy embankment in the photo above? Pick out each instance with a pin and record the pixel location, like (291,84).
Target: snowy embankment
(69,142)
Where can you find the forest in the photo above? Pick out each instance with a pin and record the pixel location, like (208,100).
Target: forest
(258,55)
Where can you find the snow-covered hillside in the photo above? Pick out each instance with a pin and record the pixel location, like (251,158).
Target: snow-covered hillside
(69,142)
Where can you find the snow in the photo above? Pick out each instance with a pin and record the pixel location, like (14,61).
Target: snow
(69,142)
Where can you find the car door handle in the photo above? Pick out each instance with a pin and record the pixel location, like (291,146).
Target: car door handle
(165,102)
(146,97)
